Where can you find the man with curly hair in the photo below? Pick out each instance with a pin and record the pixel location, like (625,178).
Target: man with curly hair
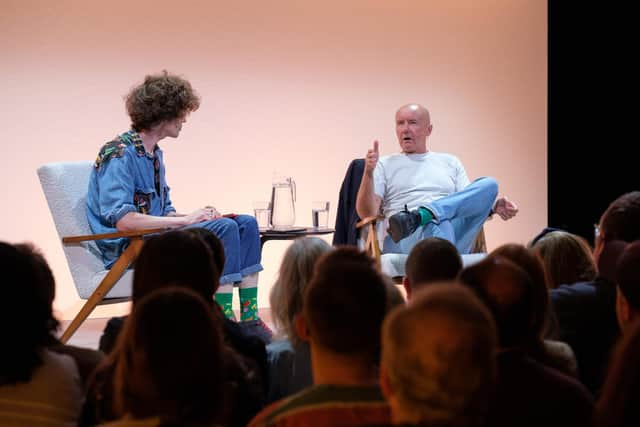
(128,191)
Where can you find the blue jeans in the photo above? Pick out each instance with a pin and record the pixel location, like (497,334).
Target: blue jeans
(241,240)
(458,218)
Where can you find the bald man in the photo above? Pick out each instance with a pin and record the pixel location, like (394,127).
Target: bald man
(423,193)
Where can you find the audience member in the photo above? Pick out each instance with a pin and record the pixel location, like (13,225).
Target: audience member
(619,404)
(342,314)
(182,258)
(38,387)
(289,357)
(168,363)
(545,350)
(628,286)
(394,296)
(439,358)
(248,338)
(567,258)
(431,260)
(86,359)
(527,392)
(586,311)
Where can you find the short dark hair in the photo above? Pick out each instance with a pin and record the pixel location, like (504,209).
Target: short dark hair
(159,98)
(432,260)
(174,257)
(169,360)
(508,291)
(628,274)
(621,220)
(345,303)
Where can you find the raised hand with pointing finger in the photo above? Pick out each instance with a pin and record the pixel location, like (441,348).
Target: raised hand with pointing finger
(371,159)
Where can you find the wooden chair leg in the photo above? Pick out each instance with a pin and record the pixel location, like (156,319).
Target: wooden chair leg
(375,246)
(126,259)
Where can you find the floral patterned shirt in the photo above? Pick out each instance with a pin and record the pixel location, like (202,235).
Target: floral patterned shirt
(125,178)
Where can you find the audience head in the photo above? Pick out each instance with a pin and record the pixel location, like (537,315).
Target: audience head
(213,243)
(431,260)
(173,257)
(567,258)
(46,281)
(628,281)
(438,360)
(509,293)
(621,220)
(608,255)
(394,296)
(345,304)
(26,315)
(619,403)
(531,264)
(294,276)
(161,97)
(168,360)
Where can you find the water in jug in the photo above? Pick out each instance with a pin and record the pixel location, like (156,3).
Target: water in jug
(283,197)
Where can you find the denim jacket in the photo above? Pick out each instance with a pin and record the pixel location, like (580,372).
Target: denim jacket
(123,180)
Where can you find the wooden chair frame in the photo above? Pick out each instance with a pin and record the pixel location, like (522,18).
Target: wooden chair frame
(126,259)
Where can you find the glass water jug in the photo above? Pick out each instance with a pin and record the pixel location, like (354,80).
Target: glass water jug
(283,197)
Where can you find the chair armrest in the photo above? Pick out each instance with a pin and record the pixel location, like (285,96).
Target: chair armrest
(133,233)
(368,220)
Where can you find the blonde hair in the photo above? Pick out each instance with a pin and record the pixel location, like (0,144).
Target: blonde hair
(295,274)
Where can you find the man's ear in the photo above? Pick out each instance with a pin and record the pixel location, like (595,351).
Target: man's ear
(407,287)
(300,325)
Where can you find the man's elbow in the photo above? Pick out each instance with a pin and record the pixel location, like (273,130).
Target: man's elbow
(364,212)
(125,223)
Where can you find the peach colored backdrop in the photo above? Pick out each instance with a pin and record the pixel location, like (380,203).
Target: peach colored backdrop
(288,86)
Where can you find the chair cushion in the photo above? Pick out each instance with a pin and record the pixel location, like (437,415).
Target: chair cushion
(65,187)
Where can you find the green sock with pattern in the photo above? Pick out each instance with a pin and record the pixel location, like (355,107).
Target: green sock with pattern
(248,303)
(224,300)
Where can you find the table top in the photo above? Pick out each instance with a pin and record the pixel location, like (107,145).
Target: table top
(297,231)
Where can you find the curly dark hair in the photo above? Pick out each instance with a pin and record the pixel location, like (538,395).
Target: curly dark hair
(160,97)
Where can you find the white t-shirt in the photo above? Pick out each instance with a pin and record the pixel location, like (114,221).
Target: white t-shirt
(416,179)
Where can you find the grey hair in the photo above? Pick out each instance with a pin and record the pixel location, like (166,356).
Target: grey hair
(439,355)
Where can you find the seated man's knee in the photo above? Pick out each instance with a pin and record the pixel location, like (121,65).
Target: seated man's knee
(247,221)
(490,185)
(226,226)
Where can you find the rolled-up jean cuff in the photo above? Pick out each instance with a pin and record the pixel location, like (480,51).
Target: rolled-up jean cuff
(251,269)
(230,279)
